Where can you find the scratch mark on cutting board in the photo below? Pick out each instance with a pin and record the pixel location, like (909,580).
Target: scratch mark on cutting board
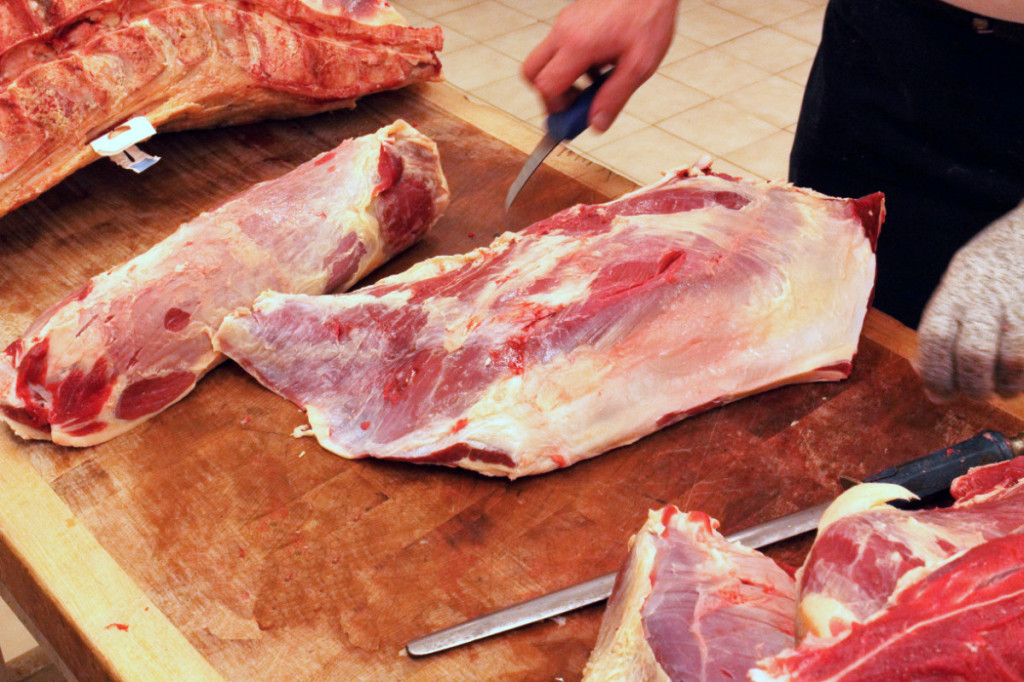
(270,432)
(703,457)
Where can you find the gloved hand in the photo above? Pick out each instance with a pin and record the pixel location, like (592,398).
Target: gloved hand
(971,338)
(632,35)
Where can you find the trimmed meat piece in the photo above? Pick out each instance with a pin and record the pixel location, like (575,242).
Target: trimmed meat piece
(137,338)
(583,332)
(961,621)
(689,605)
(860,560)
(937,594)
(73,70)
(953,613)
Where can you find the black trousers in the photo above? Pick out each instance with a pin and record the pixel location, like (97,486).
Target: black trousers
(924,102)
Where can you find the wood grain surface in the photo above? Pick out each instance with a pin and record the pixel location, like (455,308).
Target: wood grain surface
(272,559)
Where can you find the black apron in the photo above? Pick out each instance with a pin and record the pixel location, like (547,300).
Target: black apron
(924,102)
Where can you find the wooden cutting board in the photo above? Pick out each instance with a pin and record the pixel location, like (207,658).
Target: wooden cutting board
(211,542)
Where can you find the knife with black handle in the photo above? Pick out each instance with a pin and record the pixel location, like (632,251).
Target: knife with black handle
(924,476)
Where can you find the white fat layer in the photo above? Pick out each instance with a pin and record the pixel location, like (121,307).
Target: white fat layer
(816,612)
(622,652)
(861,498)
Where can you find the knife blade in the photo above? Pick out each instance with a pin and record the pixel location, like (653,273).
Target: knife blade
(561,126)
(923,476)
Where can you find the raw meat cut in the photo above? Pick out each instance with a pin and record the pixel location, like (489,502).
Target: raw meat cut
(581,333)
(72,70)
(24,20)
(934,594)
(962,621)
(860,560)
(689,605)
(136,339)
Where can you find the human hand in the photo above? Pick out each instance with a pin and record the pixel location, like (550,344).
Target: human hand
(972,333)
(632,35)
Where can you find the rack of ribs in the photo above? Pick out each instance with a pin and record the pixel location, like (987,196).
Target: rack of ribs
(73,70)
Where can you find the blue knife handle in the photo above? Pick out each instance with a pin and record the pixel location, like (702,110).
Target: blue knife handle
(934,472)
(568,123)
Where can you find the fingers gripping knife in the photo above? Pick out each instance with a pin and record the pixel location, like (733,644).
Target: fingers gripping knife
(924,476)
(562,126)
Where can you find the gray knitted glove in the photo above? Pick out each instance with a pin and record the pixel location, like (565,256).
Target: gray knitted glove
(972,333)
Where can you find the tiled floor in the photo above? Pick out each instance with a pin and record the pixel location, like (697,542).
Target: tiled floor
(14,639)
(730,85)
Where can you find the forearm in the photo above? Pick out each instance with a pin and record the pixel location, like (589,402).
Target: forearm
(1007,10)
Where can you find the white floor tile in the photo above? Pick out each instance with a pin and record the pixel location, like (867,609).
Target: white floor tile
(539,9)
(768,157)
(14,638)
(799,73)
(520,42)
(646,154)
(485,20)
(710,25)
(454,41)
(661,97)
(722,165)
(680,48)
(764,11)
(478,65)
(714,72)
(806,26)
(624,125)
(774,99)
(769,49)
(512,95)
(435,8)
(718,127)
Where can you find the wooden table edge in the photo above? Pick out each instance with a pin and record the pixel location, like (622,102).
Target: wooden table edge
(52,565)
(902,340)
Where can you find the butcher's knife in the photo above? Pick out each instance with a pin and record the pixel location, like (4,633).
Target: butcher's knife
(561,126)
(924,476)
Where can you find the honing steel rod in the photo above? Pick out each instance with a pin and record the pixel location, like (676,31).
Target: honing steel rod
(924,476)
(595,590)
